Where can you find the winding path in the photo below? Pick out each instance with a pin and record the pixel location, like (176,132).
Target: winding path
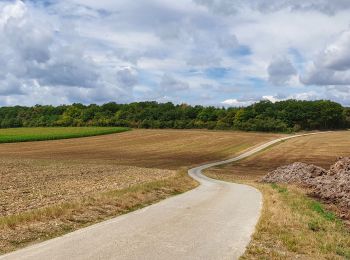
(213,221)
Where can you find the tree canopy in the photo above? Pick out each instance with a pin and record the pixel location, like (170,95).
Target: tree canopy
(283,116)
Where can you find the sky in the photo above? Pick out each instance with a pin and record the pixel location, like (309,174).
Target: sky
(207,52)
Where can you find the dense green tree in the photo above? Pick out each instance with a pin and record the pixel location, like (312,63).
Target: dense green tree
(284,116)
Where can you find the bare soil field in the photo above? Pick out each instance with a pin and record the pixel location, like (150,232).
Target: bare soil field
(30,184)
(293,225)
(165,149)
(49,188)
(321,150)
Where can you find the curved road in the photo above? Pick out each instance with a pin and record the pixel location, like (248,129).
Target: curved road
(213,221)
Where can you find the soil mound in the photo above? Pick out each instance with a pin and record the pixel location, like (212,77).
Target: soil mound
(297,172)
(331,185)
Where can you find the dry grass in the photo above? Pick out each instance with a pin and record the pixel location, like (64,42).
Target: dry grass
(40,224)
(50,188)
(293,225)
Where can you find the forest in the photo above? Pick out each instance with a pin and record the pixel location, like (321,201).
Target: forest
(283,116)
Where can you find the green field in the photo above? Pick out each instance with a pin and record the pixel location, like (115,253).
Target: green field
(12,135)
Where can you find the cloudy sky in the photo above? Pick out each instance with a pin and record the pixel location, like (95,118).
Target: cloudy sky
(211,52)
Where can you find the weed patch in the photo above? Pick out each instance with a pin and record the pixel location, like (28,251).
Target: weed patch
(317,207)
(279,188)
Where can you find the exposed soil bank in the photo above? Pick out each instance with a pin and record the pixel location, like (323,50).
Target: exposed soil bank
(332,186)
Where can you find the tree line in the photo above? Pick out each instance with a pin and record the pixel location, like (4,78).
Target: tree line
(283,116)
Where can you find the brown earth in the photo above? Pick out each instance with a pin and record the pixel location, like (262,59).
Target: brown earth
(332,186)
(30,184)
(165,149)
(39,174)
(51,187)
(297,173)
(321,150)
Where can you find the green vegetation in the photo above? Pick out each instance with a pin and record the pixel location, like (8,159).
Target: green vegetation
(278,188)
(294,225)
(284,116)
(52,133)
(317,207)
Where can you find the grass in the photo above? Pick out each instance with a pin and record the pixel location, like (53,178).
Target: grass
(279,188)
(317,207)
(12,135)
(293,225)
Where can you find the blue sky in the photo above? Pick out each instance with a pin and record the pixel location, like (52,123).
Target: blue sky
(210,52)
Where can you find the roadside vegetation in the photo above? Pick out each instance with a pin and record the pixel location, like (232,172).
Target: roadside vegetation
(293,225)
(51,188)
(284,116)
(12,135)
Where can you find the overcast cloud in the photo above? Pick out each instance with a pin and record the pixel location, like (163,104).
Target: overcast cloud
(211,52)
(280,71)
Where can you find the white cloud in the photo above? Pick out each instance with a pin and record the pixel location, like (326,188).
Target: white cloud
(336,56)
(332,65)
(237,103)
(97,51)
(169,84)
(38,53)
(10,85)
(273,99)
(29,37)
(229,7)
(280,71)
(127,77)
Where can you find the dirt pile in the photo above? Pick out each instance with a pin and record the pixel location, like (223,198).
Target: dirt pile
(333,185)
(295,173)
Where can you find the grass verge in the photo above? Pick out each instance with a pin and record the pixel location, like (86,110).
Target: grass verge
(13,135)
(37,225)
(293,225)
